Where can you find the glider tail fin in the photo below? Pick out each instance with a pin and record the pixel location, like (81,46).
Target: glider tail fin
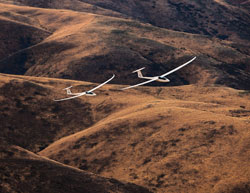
(68,90)
(139,73)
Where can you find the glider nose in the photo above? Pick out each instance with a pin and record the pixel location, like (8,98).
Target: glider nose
(90,94)
(163,79)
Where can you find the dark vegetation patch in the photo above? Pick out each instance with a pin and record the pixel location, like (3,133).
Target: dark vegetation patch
(240,113)
(31,119)
(24,175)
(100,164)
(210,135)
(241,188)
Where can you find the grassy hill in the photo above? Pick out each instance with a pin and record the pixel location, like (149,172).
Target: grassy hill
(190,135)
(168,139)
(224,19)
(82,46)
(27,35)
(23,171)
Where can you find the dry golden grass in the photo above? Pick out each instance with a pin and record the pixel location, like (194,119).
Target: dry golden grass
(191,138)
(179,139)
(23,171)
(168,139)
(82,45)
(75,5)
(220,18)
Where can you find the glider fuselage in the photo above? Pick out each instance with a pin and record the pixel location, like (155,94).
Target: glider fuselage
(156,78)
(86,93)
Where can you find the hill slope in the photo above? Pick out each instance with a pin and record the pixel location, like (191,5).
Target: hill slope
(27,35)
(195,142)
(31,119)
(176,139)
(221,18)
(23,171)
(83,45)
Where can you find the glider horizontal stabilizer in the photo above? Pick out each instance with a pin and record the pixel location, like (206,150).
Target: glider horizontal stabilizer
(138,70)
(68,88)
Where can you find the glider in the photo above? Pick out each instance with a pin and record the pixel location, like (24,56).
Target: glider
(161,78)
(87,93)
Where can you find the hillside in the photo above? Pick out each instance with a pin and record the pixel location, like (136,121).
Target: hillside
(23,171)
(31,119)
(186,136)
(27,35)
(82,45)
(224,19)
(168,139)
(74,5)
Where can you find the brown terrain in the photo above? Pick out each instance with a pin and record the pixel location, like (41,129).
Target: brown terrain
(24,171)
(222,18)
(82,45)
(189,136)
(168,139)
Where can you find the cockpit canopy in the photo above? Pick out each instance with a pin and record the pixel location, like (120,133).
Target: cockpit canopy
(90,93)
(163,79)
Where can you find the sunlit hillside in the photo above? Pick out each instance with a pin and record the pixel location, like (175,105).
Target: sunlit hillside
(190,135)
(23,171)
(177,139)
(225,19)
(88,47)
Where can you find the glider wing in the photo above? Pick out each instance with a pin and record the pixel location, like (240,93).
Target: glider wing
(64,99)
(84,93)
(179,67)
(153,79)
(101,84)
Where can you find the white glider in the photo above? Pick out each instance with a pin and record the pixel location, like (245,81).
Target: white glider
(161,78)
(87,93)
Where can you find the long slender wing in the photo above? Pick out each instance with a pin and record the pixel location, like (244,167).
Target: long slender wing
(83,93)
(179,67)
(64,99)
(153,79)
(101,84)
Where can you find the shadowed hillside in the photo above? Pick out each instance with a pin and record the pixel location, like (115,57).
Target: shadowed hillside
(190,135)
(186,139)
(16,35)
(83,45)
(176,139)
(224,19)
(31,119)
(23,171)
(74,5)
